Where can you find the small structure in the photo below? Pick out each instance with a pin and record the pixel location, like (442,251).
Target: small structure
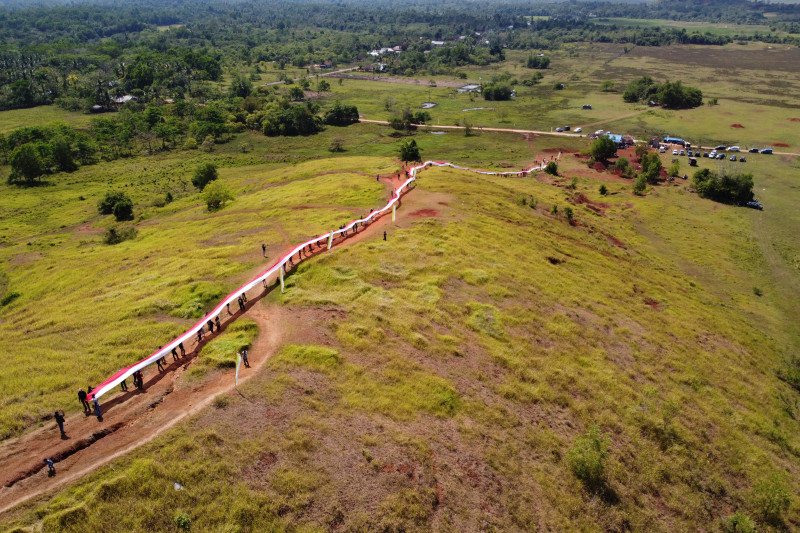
(674,140)
(437,43)
(587,107)
(120,100)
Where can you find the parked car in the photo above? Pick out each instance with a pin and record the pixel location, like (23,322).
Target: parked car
(559,130)
(721,148)
(578,130)
(755,204)
(599,132)
(720,156)
(662,150)
(566,128)
(674,152)
(742,160)
(689,153)
(733,149)
(765,151)
(705,154)
(733,158)
(682,152)
(692,162)
(753,150)
(713,154)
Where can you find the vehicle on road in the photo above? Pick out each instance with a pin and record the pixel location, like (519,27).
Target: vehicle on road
(754,204)
(765,151)
(753,150)
(578,130)
(674,152)
(742,159)
(734,149)
(682,152)
(721,148)
(720,156)
(733,158)
(559,130)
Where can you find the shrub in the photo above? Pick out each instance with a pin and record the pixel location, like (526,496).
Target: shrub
(573,184)
(291,120)
(770,499)
(640,185)
(674,169)
(116,236)
(337,145)
(204,174)
(168,198)
(183,521)
(569,214)
(551,168)
(190,143)
(602,148)
(497,92)
(221,401)
(409,151)
(123,209)
(651,167)
(118,204)
(587,459)
(208,144)
(672,95)
(738,523)
(725,187)
(538,62)
(216,196)
(341,115)
(554,210)
(603,190)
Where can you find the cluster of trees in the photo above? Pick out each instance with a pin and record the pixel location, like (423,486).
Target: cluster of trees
(672,95)
(407,119)
(726,187)
(33,152)
(540,62)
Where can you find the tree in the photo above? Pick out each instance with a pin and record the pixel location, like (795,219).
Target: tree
(551,168)
(62,155)
(341,115)
(204,174)
(651,167)
(296,94)
(497,92)
(26,165)
(725,187)
(216,196)
(409,151)
(602,148)
(674,169)
(323,86)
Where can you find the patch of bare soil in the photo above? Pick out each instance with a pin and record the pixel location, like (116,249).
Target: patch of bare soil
(794,119)
(780,145)
(421,213)
(737,126)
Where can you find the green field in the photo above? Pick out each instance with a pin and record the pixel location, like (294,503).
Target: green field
(40,116)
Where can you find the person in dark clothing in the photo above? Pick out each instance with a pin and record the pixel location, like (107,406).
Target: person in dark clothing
(160,365)
(97,411)
(174,354)
(200,335)
(138,380)
(228,307)
(241,304)
(51,467)
(59,416)
(210,325)
(217,322)
(384,235)
(89,389)
(245,360)
(124,385)
(244,297)
(263,249)
(182,349)
(82,399)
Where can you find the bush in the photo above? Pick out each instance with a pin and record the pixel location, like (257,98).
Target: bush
(551,168)
(770,499)
(725,187)
(640,185)
(204,174)
(602,148)
(497,92)
(183,521)
(116,236)
(651,167)
(538,62)
(738,523)
(341,115)
(337,145)
(569,214)
(672,95)
(117,203)
(409,151)
(587,459)
(207,144)
(674,169)
(603,190)
(217,195)
(291,120)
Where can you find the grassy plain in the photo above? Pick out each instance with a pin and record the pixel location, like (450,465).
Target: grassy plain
(455,364)
(40,116)
(478,345)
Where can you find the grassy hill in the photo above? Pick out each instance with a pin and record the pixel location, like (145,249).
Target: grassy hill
(489,366)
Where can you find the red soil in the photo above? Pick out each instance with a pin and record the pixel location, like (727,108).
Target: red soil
(781,145)
(795,119)
(737,126)
(424,213)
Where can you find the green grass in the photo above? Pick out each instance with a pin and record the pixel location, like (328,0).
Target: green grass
(40,116)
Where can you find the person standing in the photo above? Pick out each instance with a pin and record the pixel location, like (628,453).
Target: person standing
(241,304)
(263,249)
(160,365)
(98,412)
(182,349)
(245,360)
(174,354)
(384,235)
(59,416)
(217,322)
(82,399)
(124,385)
(210,325)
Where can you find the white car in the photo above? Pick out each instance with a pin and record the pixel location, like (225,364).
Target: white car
(578,130)
(734,149)
(599,132)
(674,152)
(713,154)
(662,150)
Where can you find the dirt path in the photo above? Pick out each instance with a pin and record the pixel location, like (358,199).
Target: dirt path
(137,417)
